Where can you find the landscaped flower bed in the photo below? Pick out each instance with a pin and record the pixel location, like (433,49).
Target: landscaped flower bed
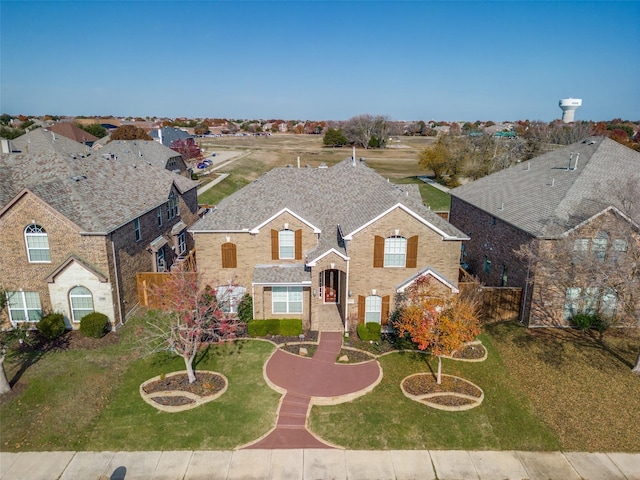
(173,392)
(453,393)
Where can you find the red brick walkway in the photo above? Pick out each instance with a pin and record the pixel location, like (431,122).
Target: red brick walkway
(317,379)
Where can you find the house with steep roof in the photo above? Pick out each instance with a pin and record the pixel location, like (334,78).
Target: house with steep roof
(331,246)
(42,140)
(133,152)
(76,229)
(69,130)
(586,196)
(167,135)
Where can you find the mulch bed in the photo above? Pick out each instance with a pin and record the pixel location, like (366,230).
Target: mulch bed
(206,384)
(423,384)
(295,348)
(356,356)
(470,352)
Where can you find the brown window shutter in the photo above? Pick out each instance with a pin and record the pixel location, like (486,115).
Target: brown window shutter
(229,259)
(378,252)
(412,252)
(275,247)
(298,244)
(385,310)
(361,308)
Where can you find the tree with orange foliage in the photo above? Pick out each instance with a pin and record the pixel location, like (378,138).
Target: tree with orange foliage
(435,320)
(191,317)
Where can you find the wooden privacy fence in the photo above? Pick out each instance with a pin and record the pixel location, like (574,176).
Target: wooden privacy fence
(498,303)
(148,282)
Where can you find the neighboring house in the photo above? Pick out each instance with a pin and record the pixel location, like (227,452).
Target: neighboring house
(75,231)
(42,140)
(69,130)
(133,152)
(327,245)
(577,196)
(167,135)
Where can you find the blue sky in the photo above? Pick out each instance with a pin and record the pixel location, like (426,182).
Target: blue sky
(320,60)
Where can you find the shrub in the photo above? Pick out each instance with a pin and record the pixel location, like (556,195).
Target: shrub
(94,325)
(51,326)
(369,332)
(288,327)
(245,308)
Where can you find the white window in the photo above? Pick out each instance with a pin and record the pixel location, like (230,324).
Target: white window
(182,243)
(160,264)
(590,300)
(286,300)
(620,245)
(373,309)
(159,214)
(599,246)
(172,206)
(37,244)
(24,306)
(81,302)
(395,251)
(136,227)
(572,302)
(581,245)
(286,242)
(609,303)
(229,296)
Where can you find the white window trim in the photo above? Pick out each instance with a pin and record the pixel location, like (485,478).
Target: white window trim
(73,310)
(136,228)
(282,235)
(229,297)
(400,245)
(373,306)
(182,243)
(41,233)
(23,307)
(288,291)
(159,216)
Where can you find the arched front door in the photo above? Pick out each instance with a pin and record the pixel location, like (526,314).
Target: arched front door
(330,284)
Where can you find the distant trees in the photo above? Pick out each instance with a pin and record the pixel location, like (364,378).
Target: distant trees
(94,129)
(367,131)
(187,148)
(334,138)
(130,132)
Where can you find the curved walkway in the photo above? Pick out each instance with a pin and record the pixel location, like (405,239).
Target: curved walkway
(307,381)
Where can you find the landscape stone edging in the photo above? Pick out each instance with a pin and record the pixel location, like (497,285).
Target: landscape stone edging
(198,399)
(475,342)
(424,398)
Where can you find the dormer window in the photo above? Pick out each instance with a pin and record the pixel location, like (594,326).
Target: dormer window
(37,243)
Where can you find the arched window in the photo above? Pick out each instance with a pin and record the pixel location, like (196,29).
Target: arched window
(373,309)
(600,244)
(286,241)
(229,297)
(37,244)
(81,302)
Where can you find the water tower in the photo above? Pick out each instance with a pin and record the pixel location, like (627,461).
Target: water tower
(569,106)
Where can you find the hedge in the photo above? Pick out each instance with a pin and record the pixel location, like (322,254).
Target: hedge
(287,327)
(369,331)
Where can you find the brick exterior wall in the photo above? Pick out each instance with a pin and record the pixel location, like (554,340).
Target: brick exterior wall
(543,296)
(97,250)
(362,277)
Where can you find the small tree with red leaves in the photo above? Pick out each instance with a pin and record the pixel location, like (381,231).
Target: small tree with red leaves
(435,319)
(191,317)
(186,147)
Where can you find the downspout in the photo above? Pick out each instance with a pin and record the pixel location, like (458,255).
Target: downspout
(115,269)
(525,293)
(346,304)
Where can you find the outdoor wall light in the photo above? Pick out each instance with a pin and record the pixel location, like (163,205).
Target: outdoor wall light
(315,292)
(351,293)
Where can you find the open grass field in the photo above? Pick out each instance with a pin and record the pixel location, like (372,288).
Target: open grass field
(398,162)
(544,390)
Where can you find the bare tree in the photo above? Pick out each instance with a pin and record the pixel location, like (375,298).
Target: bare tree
(368,131)
(191,317)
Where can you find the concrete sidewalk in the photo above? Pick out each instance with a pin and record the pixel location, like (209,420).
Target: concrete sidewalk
(319,464)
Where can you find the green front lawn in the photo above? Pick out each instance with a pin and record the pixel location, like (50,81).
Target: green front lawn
(438,200)
(544,390)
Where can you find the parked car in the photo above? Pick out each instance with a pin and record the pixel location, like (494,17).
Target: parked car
(202,165)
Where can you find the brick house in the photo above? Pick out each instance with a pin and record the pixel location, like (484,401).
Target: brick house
(75,230)
(569,203)
(327,245)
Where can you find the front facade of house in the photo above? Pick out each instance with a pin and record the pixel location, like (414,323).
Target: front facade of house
(331,246)
(75,233)
(558,227)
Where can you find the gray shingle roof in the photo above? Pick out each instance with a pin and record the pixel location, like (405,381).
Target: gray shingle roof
(544,198)
(281,274)
(169,135)
(137,151)
(43,140)
(346,195)
(97,194)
